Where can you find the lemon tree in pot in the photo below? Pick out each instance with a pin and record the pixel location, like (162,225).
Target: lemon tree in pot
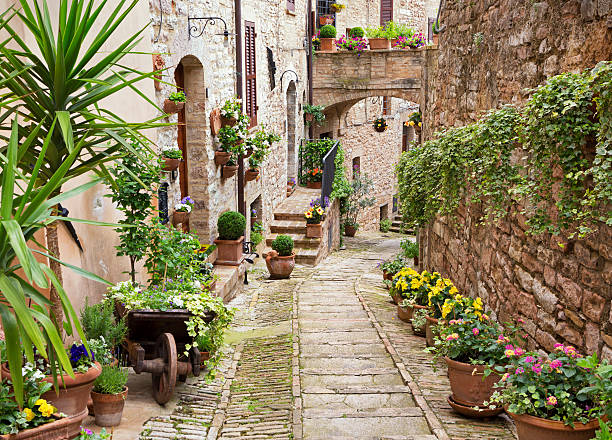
(109,394)
(281,260)
(231,226)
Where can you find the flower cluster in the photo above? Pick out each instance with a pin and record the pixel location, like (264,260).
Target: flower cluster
(232,108)
(186,205)
(414,286)
(315,175)
(462,306)
(413,42)
(440,290)
(357,44)
(315,213)
(80,359)
(316,41)
(88,434)
(380,124)
(172,152)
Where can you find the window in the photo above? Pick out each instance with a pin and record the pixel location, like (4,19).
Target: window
(324,8)
(250,101)
(356,166)
(386,11)
(291,5)
(386,105)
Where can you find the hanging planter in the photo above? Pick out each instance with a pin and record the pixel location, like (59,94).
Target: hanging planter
(251,175)
(171,164)
(228,171)
(182,211)
(337,7)
(380,125)
(228,122)
(222,157)
(325,19)
(175,103)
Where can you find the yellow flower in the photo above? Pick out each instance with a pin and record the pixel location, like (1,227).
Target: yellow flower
(46,410)
(453,290)
(420,124)
(29,414)
(319,211)
(308,214)
(478,304)
(411,123)
(40,402)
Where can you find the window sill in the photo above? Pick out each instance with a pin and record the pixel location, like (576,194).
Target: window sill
(291,12)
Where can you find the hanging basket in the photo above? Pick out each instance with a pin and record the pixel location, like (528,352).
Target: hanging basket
(221,157)
(171,164)
(229,171)
(251,175)
(380,125)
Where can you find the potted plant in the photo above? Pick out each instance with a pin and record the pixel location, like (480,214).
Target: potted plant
(88,434)
(377,38)
(231,141)
(385,225)
(257,234)
(253,216)
(440,290)
(413,42)
(281,260)
(380,124)
(182,211)
(550,396)
(109,394)
(259,145)
(314,113)
(314,217)
(435,32)
(410,291)
(410,249)
(175,102)
(415,121)
(316,41)
(230,168)
(314,178)
(230,112)
(172,158)
(391,267)
(327,36)
(230,226)
(355,44)
(291,184)
(337,7)
(419,321)
(326,20)
(356,32)
(357,200)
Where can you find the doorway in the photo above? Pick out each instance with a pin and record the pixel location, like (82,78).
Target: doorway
(291,123)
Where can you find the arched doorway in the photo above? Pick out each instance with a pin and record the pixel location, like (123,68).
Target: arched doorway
(291,123)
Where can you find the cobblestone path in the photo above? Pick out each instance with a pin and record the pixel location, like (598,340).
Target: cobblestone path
(323,356)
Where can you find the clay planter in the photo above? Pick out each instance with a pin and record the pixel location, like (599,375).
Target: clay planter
(228,122)
(396,297)
(229,251)
(387,276)
(418,331)
(429,333)
(471,412)
(350,230)
(251,175)
(468,384)
(109,407)
(314,230)
(313,185)
(221,157)
(204,357)
(308,117)
(325,20)
(405,313)
(62,429)
(435,39)
(416,261)
(171,164)
(379,43)
(180,217)
(229,171)
(328,44)
(531,428)
(280,267)
(171,107)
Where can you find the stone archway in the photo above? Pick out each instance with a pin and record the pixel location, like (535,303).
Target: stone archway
(291,125)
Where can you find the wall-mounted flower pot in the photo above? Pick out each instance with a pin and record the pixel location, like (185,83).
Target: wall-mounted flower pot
(280,267)
(323,20)
(221,157)
(228,122)
(314,230)
(313,185)
(308,117)
(435,39)
(350,230)
(171,164)
(379,43)
(229,251)
(229,171)
(180,217)
(251,175)
(328,44)
(380,128)
(171,107)
(530,427)
(109,408)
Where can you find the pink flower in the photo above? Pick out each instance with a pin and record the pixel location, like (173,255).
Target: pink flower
(556,364)
(519,370)
(509,353)
(537,368)
(519,351)
(509,347)
(505,377)
(520,321)
(570,351)
(475,331)
(530,359)
(551,400)
(558,346)
(452,337)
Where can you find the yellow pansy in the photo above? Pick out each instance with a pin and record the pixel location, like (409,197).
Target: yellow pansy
(40,402)
(478,304)
(453,290)
(46,410)
(29,414)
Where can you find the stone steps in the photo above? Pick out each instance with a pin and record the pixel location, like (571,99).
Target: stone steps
(288,227)
(299,240)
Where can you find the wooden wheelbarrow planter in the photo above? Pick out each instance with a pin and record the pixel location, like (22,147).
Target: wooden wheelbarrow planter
(156,343)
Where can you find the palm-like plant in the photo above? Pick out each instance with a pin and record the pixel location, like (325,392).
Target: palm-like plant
(60,92)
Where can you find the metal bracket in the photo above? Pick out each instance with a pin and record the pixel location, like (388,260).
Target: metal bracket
(297,78)
(197,28)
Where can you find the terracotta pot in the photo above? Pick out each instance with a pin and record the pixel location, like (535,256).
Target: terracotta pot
(229,251)
(531,428)
(308,117)
(328,44)
(472,412)
(229,171)
(418,331)
(251,175)
(313,185)
(379,43)
(387,276)
(171,107)
(314,230)
(280,267)
(350,230)
(63,429)
(429,333)
(109,407)
(204,357)
(171,164)
(396,297)
(393,41)
(468,384)
(228,122)
(435,39)
(180,217)
(325,20)
(405,313)
(221,157)
(380,129)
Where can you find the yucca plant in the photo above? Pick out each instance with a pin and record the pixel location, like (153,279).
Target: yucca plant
(59,88)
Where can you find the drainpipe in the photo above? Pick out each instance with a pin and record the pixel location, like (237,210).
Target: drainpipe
(309,34)
(239,94)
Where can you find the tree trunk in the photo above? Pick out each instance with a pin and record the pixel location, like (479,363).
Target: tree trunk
(53,248)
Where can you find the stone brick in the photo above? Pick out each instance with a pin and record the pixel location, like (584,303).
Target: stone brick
(524,278)
(591,338)
(569,333)
(569,268)
(550,276)
(570,291)
(532,265)
(545,340)
(576,319)
(591,278)
(593,305)
(544,296)
(526,305)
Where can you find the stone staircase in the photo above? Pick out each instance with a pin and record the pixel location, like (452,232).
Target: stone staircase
(396,225)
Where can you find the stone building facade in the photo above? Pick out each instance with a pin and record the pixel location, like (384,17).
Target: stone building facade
(490,53)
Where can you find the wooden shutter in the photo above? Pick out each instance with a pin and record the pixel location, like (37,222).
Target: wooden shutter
(250,101)
(386,11)
(291,5)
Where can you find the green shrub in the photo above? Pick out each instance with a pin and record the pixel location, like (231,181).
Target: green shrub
(99,320)
(328,31)
(385,225)
(256,238)
(231,225)
(177,97)
(112,380)
(283,244)
(356,32)
(377,32)
(410,249)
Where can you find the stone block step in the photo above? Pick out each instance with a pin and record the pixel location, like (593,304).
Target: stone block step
(305,256)
(293,216)
(288,227)
(299,240)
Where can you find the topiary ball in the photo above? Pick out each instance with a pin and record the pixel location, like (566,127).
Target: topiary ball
(231,225)
(328,31)
(356,32)
(283,244)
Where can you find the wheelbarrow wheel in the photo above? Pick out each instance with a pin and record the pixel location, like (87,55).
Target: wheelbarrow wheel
(164,383)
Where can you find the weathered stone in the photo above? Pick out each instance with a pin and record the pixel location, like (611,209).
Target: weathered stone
(525,279)
(591,337)
(544,296)
(593,305)
(570,291)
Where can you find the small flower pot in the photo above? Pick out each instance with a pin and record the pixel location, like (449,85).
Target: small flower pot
(350,230)
(314,230)
(396,297)
(251,175)
(435,39)
(379,44)
(171,164)
(429,333)
(229,171)
(532,428)
(171,107)
(229,252)
(469,385)
(328,45)
(228,122)
(418,331)
(325,20)
(387,275)
(473,413)
(280,267)
(380,129)
(221,157)
(405,313)
(313,185)
(308,117)
(204,357)
(109,408)
(65,428)
(180,217)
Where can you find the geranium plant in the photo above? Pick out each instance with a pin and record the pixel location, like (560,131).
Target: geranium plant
(314,175)
(172,152)
(186,205)
(410,42)
(232,108)
(356,44)
(317,114)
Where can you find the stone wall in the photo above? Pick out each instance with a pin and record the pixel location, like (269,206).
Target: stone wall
(491,52)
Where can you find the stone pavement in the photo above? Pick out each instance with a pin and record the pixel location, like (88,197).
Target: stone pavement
(323,356)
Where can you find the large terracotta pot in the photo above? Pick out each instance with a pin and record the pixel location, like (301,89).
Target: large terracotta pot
(251,175)
(396,297)
(532,428)
(278,266)
(468,384)
(314,230)
(228,122)
(180,217)
(379,43)
(313,185)
(109,407)
(429,333)
(221,157)
(171,164)
(229,252)
(350,230)
(63,429)
(171,107)
(405,313)
(229,171)
(387,276)
(328,44)
(419,331)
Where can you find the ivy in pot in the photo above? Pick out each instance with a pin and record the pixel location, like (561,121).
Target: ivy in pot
(314,113)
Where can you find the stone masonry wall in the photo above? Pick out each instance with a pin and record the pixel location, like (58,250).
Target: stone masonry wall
(491,52)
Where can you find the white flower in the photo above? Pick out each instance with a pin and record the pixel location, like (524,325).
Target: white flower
(197,284)
(182,207)
(177,301)
(170,148)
